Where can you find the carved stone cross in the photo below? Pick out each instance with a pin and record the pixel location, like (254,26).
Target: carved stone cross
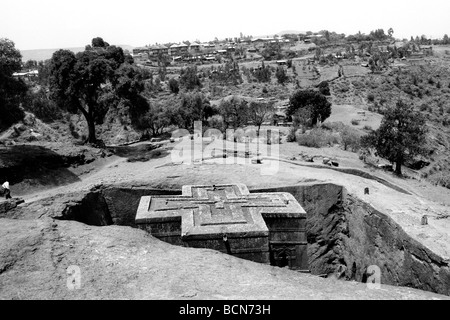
(203,215)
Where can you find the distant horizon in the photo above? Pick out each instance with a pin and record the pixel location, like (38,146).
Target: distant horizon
(51,24)
(258,36)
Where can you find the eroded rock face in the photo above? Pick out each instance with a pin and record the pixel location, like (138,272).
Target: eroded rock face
(373,238)
(346,236)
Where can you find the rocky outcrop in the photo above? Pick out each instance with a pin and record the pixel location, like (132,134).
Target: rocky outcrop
(118,262)
(7,205)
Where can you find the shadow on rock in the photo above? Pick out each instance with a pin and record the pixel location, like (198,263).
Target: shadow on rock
(30,165)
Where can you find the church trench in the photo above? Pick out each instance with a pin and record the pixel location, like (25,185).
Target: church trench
(345,235)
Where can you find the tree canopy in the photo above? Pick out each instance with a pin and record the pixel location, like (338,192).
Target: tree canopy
(78,82)
(192,107)
(281,75)
(12,90)
(260,112)
(189,78)
(317,103)
(400,137)
(234,112)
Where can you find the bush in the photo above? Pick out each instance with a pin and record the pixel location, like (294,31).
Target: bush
(324,88)
(316,138)
(370,97)
(173,85)
(291,134)
(368,128)
(42,107)
(351,139)
(355,122)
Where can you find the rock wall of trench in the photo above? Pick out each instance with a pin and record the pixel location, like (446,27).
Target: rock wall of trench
(346,235)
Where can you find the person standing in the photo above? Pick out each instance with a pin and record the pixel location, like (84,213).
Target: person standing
(6,190)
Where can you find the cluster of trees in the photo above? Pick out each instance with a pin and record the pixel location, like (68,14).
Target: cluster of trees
(236,112)
(262,73)
(400,138)
(226,74)
(374,35)
(12,91)
(232,112)
(281,75)
(272,51)
(423,40)
(189,78)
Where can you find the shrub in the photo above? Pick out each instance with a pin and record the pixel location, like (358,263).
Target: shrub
(355,122)
(324,88)
(291,134)
(316,138)
(173,85)
(367,128)
(370,97)
(42,107)
(351,139)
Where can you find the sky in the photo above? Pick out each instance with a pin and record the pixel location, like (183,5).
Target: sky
(51,24)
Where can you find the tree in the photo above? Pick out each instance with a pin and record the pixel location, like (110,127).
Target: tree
(390,32)
(189,78)
(77,83)
(400,137)
(262,73)
(234,112)
(157,118)
(445,39)
(12,90)
(259,112)
(173,85)
(281,75)
(193,107)
(302,118)
(377,34)
(318,104)
(324,88)
(30,64)
(99,43)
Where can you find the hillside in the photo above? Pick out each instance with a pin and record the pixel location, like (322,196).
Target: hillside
(44,54)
